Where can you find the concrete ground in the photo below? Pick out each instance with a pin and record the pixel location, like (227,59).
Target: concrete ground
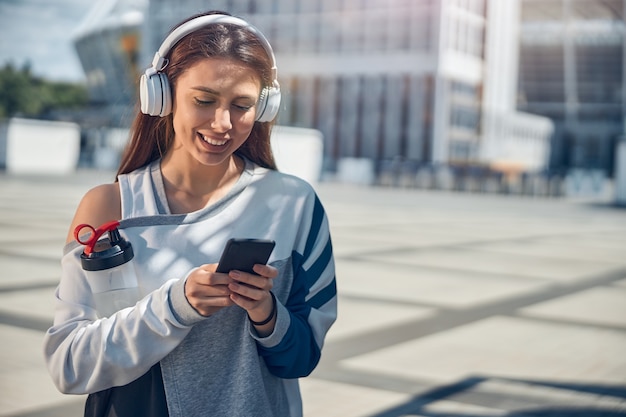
(450,304)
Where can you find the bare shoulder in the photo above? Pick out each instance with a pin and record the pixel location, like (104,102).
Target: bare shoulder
(99,205)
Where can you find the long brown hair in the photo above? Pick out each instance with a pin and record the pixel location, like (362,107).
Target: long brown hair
(152,136)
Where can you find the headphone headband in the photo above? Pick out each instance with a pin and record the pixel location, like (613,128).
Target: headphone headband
(159,61)
(154,87)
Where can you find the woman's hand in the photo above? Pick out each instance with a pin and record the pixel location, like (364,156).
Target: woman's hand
(207,291)
(252,293)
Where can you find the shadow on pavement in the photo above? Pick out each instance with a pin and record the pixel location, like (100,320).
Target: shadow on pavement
(517,398)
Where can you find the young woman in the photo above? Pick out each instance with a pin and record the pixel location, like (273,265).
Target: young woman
(198,171)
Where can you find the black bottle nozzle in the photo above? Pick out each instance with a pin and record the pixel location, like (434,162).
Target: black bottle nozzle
(115,252)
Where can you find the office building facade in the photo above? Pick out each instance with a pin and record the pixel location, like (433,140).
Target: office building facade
(573,70)
(384,80)
(402,83)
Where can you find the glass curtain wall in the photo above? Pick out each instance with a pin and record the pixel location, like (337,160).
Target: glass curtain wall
(572,70)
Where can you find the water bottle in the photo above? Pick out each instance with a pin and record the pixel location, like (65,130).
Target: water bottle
(108,268)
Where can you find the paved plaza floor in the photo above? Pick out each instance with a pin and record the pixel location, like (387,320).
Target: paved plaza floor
(450,304)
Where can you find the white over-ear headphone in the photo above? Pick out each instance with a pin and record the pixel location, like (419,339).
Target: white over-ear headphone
(155,92)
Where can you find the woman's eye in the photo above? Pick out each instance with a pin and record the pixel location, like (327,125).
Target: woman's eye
(203,102)
(242,107)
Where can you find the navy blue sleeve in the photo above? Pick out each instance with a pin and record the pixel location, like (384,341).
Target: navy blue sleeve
(312,304)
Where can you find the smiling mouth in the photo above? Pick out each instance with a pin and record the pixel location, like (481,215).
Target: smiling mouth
(211,141)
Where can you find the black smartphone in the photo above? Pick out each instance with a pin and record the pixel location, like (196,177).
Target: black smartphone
(242,254)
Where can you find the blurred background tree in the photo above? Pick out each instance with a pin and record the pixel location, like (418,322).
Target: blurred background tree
(22,94)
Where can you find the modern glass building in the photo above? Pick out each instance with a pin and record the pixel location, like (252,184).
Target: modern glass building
(362,72)
(406,84)
(108,44)
(573,70)
(385,80)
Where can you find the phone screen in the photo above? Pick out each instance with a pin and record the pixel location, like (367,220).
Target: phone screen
(243,254)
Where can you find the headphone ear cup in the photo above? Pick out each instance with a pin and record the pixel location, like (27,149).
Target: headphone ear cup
(155,94)
(268,105)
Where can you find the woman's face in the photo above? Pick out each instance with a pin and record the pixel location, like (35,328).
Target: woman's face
(214,110)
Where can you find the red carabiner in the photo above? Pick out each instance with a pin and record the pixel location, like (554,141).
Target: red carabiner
(94,234)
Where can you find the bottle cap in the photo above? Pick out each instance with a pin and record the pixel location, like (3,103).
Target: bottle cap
(101,254)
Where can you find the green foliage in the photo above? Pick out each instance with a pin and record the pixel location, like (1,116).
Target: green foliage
(21,93)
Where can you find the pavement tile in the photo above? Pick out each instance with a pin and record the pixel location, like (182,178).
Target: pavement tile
(15,235)
(24,381)
(347,400)
(565,248)
(508,347)
(472,260)
(429,286)
(380,315)
(35,303)
(51,250)
(17,272)
(600,305)
(353,245)
(454,408)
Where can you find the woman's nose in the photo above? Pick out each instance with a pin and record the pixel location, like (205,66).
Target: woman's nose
(221,121)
